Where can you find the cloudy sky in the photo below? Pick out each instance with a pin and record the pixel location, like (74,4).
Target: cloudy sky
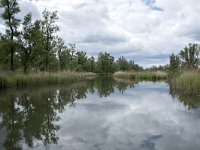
(146,31)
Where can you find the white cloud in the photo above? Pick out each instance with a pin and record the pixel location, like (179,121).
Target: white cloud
(133,28)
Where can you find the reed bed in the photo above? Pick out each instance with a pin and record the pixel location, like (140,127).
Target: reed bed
(187,82)
(143,75)
(8,80)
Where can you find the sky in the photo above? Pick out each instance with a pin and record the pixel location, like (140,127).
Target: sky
(146,31)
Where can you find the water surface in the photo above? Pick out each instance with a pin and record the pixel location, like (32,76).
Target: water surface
(101,114)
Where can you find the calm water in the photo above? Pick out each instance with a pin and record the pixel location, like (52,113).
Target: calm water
(101,114)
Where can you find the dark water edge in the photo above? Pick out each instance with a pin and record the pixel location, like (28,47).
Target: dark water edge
(104,113)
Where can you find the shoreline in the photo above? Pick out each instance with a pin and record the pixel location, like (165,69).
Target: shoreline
(186,82)
(9,80)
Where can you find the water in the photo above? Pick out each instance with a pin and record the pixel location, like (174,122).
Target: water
(101,114)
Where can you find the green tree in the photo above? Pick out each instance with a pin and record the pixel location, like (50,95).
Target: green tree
(11,8)
(133,66)
(31,41)
(49,28)
(81,60)
(105,63)
(26,41)
(174,63)
(38,52)
(190,56)
(62,53)
(122,64)
(73,58)
(4,52)
(90,64)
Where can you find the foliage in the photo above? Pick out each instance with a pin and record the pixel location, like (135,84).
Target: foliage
(122,64)
(48,29)
(190,56)
(187,59)
(174,63)
(37,48)
(29,42)
(4,52)
(105,63)
(81,60)
(158,68)
(61,53)
(11,8)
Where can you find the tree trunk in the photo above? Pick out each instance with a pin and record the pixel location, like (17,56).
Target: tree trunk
(25,68)
(47,61)
(12,59)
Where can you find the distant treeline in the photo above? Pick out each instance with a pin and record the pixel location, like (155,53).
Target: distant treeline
(32,45)
(186,59)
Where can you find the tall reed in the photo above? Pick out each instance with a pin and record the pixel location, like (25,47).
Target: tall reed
(187,82)
(145,75)
(20,80)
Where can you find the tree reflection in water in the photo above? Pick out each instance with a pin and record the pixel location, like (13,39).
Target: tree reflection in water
(33,114)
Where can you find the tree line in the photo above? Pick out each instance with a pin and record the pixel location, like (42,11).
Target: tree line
(188,58)
(33,45)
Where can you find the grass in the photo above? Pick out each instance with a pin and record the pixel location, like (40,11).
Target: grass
(187,82)
(143,75)
(8,80)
